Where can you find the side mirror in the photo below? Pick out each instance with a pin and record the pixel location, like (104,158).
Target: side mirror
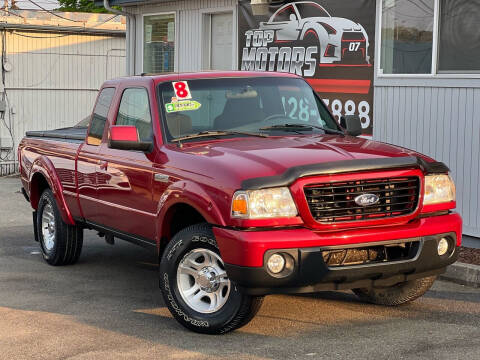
(351,124)
(293,17)
(126,138)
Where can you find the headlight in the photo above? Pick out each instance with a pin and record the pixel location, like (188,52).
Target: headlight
(438,189)
(261,204)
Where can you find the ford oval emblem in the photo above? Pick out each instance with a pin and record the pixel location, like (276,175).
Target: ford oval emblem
(367,199)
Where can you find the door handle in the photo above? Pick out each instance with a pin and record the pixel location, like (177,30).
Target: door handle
(103,165)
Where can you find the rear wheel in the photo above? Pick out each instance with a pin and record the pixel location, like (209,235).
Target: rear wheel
(61,243)
(196,287)
(397,294)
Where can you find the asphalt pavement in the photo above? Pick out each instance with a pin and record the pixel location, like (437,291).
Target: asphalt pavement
(109,306)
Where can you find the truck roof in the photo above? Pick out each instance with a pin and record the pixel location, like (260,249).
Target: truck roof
(158,78)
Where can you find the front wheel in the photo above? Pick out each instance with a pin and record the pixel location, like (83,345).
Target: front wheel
(397,294)
(196,287)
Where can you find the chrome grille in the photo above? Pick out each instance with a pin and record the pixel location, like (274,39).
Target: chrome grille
(335,201)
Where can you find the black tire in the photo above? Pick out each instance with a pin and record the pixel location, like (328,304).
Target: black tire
(397,294)
(66,246)
(238,309)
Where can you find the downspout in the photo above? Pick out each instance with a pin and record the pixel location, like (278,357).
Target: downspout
(131,39)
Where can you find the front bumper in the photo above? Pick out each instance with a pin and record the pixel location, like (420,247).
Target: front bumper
(245,254)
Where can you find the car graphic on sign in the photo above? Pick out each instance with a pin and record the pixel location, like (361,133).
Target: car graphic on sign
(340,40)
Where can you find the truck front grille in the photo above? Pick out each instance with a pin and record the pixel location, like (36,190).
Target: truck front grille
(335,201)
(370,254)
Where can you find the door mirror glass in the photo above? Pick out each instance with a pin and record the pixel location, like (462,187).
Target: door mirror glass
(125,137)
(351,124)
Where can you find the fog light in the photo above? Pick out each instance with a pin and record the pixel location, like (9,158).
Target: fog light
(442,247)
(276,263)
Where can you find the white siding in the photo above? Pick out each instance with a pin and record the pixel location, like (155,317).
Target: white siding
(188,26)
(441,122)
(438,116)
(55,78)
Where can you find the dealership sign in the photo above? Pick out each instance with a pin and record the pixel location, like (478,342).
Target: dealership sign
(329,43)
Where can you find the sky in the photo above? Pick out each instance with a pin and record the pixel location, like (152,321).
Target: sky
(26,4)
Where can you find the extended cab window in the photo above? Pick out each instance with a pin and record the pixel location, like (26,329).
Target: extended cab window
(135,111)
(99,117)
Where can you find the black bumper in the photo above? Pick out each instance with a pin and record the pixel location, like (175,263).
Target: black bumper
(311,273)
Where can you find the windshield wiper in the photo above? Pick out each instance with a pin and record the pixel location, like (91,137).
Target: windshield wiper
(301,127)
(216,133)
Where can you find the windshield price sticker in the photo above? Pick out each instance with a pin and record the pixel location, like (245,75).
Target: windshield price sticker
(185,105)
(182,91)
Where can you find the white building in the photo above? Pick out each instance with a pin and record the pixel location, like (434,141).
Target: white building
(52,70)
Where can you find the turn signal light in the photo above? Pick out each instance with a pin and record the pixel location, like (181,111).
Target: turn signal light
(239,205)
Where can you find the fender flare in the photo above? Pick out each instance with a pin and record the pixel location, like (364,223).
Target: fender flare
(45,168)
(188,193)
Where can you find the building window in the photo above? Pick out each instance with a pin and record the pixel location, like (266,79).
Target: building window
(407,36)
(459,42)
(159,43)
(429,37)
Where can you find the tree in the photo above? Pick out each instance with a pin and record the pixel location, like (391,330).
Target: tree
(80,6)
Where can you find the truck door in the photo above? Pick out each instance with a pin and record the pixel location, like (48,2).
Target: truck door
(88,156)
(124,177)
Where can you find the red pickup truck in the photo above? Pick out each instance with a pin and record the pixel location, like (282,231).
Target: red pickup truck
(245,185)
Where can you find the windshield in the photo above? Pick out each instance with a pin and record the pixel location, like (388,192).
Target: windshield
(308,10)
(254,105)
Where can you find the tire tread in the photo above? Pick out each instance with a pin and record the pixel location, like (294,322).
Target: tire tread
(69,237)
(398,294)
(248,307)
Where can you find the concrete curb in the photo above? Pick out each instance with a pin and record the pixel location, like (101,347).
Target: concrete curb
(465,274)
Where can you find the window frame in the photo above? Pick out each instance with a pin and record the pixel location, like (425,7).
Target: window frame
(175,53)
(206,32)
(434,72)
(120,97)
(295,10)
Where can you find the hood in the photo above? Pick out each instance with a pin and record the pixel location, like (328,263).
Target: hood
(230,161)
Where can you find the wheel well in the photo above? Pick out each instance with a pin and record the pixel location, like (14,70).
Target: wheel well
(37,187)
(178,217)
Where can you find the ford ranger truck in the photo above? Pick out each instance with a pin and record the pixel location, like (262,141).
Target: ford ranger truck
(244,185)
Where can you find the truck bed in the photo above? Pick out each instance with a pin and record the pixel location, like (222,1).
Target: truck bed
(70,134)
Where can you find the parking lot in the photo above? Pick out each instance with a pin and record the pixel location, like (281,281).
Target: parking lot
(109,306)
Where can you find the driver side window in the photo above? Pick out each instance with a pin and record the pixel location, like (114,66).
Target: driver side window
(134,110)
(284,14)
